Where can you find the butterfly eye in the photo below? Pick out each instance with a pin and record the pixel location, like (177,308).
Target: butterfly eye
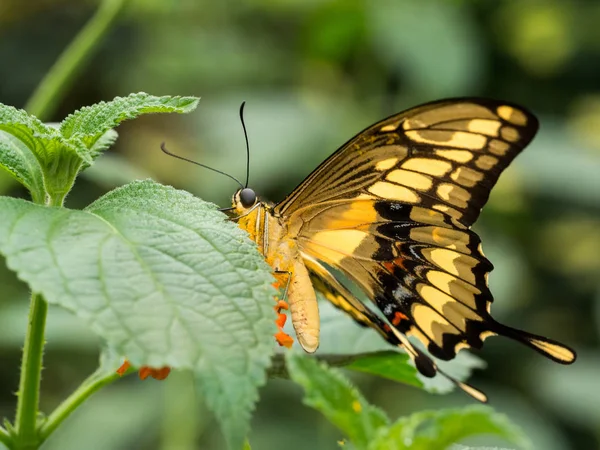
(247,197)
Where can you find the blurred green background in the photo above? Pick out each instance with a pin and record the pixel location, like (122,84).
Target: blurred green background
(313,73)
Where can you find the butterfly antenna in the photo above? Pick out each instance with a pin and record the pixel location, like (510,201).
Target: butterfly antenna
(247,144)
(164,149)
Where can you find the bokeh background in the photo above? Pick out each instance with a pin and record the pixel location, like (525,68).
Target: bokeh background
(313,73)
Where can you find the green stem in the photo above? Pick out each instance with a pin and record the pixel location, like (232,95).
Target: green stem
(31,372)
(5,437)
(26,435)
(93,383)
(46,97)
(182,425)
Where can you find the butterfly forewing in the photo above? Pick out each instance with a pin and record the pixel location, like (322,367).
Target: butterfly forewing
(393,207)
(444,156)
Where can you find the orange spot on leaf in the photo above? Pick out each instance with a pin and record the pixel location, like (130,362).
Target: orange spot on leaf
(284,339)
(281,305)
(157,374)
(281,319)
(124,367)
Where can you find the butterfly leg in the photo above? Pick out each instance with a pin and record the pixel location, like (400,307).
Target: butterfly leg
(282,338)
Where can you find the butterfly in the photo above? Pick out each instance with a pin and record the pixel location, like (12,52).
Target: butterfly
(392,210)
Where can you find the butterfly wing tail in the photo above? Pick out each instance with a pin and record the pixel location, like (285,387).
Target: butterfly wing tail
(339,296)
(548,347)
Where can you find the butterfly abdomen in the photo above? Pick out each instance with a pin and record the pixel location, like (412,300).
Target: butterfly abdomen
(283,256)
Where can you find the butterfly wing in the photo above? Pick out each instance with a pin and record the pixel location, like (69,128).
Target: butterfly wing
(446,155)
(393,207)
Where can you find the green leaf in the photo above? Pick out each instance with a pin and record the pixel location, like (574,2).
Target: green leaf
(439,429)
(21,163)
(389,364)
(24,140)
(329,392)
(92,122)
(62,152)
(163,278)
(22,125)
(104,142)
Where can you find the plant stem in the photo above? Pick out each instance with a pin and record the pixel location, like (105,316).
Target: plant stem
(31,372)
(26,437)
(92,384)
(48,94)
(5,438)
(182,425)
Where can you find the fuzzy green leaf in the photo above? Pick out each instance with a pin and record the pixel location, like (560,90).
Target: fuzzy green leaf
(24,144)
(103,143)
(22,125)
(440,429)
(329,392)
(163,278)
(91,122)
(21,163)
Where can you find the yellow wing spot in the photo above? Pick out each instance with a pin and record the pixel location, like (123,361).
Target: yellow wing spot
(463,292)
(510,134)
(433,167)
(456,313)
(557,351)
(390,127)
(454,213)
(470,390)
(461,156)
(452,262)
(441,237)
(431,323)
(347,216)
(386,164)
(486,162)
(498,147)
(394,192)
(425,215)
(512,115)
(447,113)
(454,194)
(336,244)
(356,406)
(410,179)
(486,334)
(484,126)
(466,176)
(460,139)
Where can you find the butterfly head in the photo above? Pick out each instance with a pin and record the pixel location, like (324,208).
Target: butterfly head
(243,200)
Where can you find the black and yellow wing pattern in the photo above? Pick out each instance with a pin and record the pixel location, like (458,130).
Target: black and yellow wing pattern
(392,210)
